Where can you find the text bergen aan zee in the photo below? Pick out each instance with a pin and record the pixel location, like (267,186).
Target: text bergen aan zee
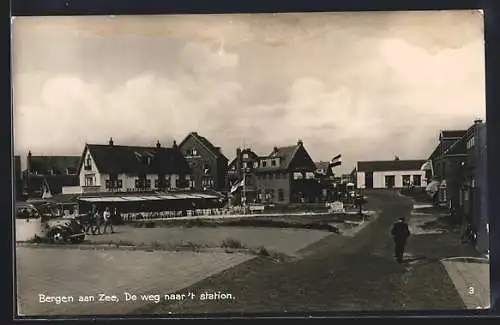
(129,297)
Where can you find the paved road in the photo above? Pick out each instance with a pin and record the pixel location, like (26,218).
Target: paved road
(336,274)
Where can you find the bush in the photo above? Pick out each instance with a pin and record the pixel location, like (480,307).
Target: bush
(262,251)
(232,243)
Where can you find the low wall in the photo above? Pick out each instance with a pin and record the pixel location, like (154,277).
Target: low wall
(26,229)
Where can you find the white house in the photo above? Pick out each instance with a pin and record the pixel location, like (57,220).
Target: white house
(113,168)
(390,174)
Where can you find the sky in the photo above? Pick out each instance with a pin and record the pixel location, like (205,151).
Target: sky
(367,85)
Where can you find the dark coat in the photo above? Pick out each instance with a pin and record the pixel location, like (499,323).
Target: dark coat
(400,231)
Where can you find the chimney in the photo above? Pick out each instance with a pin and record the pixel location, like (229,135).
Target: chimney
(300,143)
(478,121)
(158,145)
(111,143)
(275,149)
(175,144)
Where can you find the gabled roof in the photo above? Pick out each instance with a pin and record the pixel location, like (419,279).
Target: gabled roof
(452,134)
(389,165)
(216,151)
(286,155)
(114,159)
(59,164)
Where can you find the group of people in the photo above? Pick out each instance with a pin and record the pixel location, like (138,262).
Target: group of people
(96,220)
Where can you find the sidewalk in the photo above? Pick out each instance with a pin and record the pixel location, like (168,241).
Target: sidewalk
(471,278)
(469,273)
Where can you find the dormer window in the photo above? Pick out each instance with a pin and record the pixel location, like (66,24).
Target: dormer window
(264,163)
(70,171)
(273,162)
(245,156)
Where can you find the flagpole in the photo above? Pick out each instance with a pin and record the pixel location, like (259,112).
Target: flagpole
(244,186)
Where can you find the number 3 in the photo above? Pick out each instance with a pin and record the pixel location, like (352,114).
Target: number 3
(470,290)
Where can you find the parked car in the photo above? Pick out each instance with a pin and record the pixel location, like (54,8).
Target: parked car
(64,229)
(33,223)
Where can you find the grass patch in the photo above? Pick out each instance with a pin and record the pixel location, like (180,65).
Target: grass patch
(270,223)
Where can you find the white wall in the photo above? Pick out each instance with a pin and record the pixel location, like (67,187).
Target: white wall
(360,179)
(98,180)
(379,178)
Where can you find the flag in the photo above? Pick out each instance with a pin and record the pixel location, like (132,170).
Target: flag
(237,185)
(336,161)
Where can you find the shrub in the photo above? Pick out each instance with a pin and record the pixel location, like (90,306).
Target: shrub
(232,243)
(262,251)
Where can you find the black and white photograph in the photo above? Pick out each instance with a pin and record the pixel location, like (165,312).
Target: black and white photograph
(250,163)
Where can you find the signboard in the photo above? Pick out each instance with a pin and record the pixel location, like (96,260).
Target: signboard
(337,207)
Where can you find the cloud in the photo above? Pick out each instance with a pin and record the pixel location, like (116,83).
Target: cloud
(368,85)
(142,109)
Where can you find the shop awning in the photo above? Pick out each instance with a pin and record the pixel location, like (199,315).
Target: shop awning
(138,198)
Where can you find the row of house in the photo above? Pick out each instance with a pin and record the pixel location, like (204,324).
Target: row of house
(459,175)
(287,174)
(454,174)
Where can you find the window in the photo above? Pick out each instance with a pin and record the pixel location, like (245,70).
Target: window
(70,171)
(88,163)
(273,162)
(281,195)
(245,165)
(256,164)
(406,180)
(389,181)
(245,156)
(297,176)
(264,164)
(89,180)
(417,180)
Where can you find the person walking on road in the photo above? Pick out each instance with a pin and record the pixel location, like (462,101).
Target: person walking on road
(107,220)
(400,233)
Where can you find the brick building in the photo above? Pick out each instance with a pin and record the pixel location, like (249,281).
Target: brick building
(207,162)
